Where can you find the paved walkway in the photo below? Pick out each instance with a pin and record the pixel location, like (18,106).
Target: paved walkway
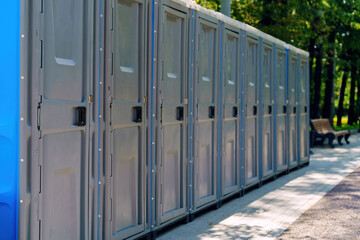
(334,216)
(266,212)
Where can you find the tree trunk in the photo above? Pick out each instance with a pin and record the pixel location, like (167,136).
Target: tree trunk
(357,105)
(340,111)
(329,89)
(351,112)
(317,80)
(312,82)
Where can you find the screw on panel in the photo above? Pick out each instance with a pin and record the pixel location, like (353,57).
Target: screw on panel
(22,119)
(153,143)
(99,216)
(22,35)
(99,182)
(21,201)
(153,87)
(152,199)
(101,15)
(153,170)
(99,149)
(22,77)
(21,160)
(100,49)
(154,59)
(100,83)
(99,116)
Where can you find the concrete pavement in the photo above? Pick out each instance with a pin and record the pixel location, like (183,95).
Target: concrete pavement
(266,212)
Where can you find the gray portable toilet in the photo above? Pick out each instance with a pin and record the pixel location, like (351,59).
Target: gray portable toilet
(251,106)
(57,170)
(292,100)
(204,173)
(304,107)
(267,102)
(280,108)
(231,106)
(171,63)
(125,156)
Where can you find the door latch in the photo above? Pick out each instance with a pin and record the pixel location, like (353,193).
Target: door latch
(80,116)
(180,113)
(137,114)
(212,112)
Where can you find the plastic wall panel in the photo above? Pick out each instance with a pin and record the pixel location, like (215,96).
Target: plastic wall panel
(205,105)
(231,77)
(303,109)
(125,129)
(251,89)
(172,90)
(281,106)
(292,109)
(9,118)
(267,68)
(64,140)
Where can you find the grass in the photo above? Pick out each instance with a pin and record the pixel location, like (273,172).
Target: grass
(344,125)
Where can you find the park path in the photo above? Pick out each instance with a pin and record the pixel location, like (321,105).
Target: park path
(266,212)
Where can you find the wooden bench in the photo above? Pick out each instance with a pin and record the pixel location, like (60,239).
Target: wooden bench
(321,128)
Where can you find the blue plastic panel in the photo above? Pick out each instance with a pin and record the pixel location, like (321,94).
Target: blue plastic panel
(9,117)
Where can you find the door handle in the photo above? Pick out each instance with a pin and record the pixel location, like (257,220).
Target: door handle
(212,112)
(80,116)
(254,110)
(180,113)
(269,110)
(137,114)
(284,109)
(235,111)
(294,110)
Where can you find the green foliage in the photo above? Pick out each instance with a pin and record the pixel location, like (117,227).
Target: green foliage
(299,21)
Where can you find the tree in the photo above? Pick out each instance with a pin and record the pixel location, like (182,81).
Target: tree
(340,111)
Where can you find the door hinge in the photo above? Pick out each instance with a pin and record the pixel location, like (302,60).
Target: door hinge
(145,99)
(41,6)
(111,209)
(110,113)
(38,118)
(41,53)
(111,164)
(112,64)
(90,99)
(40,178)
(161,112)
(185,101)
